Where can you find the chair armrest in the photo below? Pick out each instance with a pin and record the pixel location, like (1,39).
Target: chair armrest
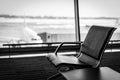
(58,48)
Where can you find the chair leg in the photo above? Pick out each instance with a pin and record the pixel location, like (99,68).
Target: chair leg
(55,76)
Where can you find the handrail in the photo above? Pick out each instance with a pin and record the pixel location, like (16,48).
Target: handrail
(114,40)
(48,43)
(48,49)
(36,50)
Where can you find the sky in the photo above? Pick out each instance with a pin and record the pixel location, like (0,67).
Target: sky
(87,8)
(98,8)
(37,7)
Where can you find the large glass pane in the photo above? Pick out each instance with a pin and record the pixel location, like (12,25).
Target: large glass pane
(36,21)
(99,12)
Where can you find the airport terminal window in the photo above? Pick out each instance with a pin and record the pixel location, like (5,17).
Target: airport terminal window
(99,12)
(36,21)
(42,21)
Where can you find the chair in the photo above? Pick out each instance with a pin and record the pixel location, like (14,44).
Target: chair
(91,50)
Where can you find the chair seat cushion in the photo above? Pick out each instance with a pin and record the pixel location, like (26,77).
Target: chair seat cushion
(56,60)
(89,60)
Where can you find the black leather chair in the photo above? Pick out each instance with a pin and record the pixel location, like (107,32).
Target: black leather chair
(91,50)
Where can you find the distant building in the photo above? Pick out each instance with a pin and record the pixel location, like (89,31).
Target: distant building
(50,37)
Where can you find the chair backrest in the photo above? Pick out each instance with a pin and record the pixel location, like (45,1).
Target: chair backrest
(96,41)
